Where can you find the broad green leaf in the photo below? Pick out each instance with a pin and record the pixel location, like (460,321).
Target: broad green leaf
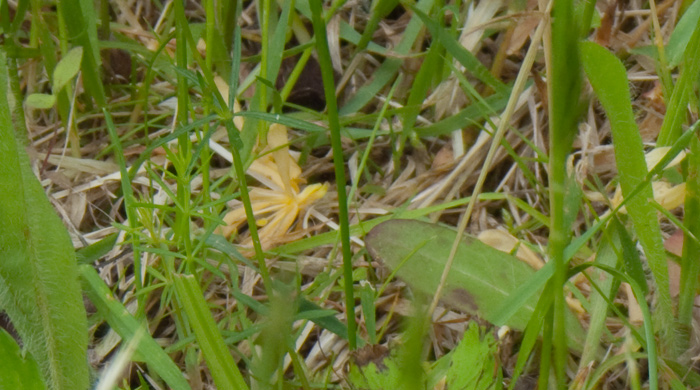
(608,78)
(41,101)
(67,68)
(128,327)
(217,355)
(17,371)
(480,279)
(39,287)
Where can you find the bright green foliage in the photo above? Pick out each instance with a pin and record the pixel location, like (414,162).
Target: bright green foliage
(65,70)
(39,287)
(372,377)
(17,371)
(474,363)
(681,34)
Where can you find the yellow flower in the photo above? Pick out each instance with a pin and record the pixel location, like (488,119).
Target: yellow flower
(667,195)
(276,207)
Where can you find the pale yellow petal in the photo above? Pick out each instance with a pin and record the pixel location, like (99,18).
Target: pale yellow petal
(655,155)
(669,197)
(277,140)
(505,242)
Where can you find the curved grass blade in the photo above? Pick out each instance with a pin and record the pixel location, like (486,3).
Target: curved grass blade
(608,78)
(39,287)
(223,369)
(126,326)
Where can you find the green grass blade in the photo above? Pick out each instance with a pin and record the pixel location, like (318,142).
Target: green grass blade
(609,80)
(652,357)
(81,22)
(390,66)
(324,59)
(564,85)
(681,34)
(39,287)
(219,360)
(129,200)
(599,306)
(128,327)
(419,90)
(464,56)
(676,112)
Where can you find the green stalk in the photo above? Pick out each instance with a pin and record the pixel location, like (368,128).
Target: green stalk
(128,194)
(324,57)
(264,12)
(182,219)
(237,149)
(563,103)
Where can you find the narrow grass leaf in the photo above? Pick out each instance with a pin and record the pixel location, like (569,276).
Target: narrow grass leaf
(650,341)
(508,307)
(681,34)
(39,287)
(219,360)
(461,54)
(18,371)
(564,85)
(368,311)
(418,92)
(471,115)
(630,256)
(599,306)
(608,78)
(365,226)
(480,279)
(97,250)
(390,66)
(677,106)
(128,327)
(324,58)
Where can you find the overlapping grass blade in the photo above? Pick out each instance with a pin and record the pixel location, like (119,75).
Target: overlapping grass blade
(219,360)
(609,80)
(127,326)
(390,66)
(676,111)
